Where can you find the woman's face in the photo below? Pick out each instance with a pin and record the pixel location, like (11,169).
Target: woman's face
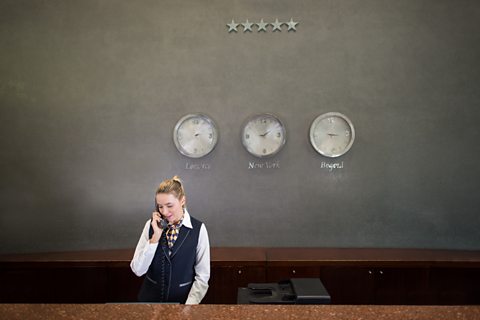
(170,207)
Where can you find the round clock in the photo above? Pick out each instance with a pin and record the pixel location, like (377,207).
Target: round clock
(332,134)
(195,135)
(263,135)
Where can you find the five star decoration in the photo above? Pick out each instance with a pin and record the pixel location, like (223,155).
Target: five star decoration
(292,25)
(232,26)
(247,26)
(277,25)
(262,26)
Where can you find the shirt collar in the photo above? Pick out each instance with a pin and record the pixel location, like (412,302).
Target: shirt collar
(186,220)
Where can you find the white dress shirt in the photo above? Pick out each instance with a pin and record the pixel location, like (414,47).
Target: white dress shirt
(145,251)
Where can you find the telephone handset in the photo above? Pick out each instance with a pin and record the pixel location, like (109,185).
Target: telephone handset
(163,243)
(163,222)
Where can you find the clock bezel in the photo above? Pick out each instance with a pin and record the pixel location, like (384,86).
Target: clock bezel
(263,115)
(187,117)
(330,115)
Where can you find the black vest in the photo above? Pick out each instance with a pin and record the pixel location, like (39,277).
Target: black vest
(170,276)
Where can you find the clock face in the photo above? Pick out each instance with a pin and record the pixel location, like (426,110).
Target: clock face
(332,134)
(263,135)
(195,135)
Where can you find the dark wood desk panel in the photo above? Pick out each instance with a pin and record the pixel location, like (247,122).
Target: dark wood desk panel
(91,257)
(384,276)
(238,312)
(233,268)
(238,256)
(372,257)
(352,276)
(105,276)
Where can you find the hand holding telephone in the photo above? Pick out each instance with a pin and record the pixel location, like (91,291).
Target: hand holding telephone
(162,223)
(158,224)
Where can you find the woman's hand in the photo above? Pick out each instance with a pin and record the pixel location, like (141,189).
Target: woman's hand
(157,231)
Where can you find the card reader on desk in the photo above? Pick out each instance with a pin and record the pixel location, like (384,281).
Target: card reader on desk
(293,291)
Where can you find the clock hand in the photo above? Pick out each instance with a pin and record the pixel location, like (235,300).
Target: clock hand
(268,131)
(332,135)
(263,135)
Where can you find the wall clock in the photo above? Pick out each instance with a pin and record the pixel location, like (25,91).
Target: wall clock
(263,135)
(195,135)
(332,134)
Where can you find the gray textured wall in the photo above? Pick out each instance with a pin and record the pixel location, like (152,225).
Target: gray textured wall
(90,92)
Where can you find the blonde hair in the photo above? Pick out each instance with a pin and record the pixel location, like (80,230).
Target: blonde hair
(173,186)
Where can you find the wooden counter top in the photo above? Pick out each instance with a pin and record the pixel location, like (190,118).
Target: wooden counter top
(272,256)
(233,312)
(122,257)
(372,256)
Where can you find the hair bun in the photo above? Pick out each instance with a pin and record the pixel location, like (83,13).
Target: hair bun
(173,185)
(177,179)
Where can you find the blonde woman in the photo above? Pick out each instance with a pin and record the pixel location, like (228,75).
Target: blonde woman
(173,251)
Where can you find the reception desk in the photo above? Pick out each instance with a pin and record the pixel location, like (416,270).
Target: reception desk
(351,276)
(235,312)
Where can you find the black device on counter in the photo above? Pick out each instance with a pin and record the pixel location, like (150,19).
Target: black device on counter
(293,291)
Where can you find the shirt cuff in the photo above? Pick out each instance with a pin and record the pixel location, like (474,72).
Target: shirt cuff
(197,292)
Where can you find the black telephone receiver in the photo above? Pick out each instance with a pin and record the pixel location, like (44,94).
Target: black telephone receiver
(163,223)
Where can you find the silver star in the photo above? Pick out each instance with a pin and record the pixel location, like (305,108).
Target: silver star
(232,26)
(262,26)
(292,25)
(277,25)
(247,26)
